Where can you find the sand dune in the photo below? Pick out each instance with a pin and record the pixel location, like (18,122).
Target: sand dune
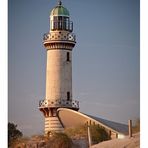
(133,142)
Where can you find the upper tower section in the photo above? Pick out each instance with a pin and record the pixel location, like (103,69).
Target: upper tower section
(59,19)
(60,35)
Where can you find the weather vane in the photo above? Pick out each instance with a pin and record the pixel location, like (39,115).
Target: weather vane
(59,2)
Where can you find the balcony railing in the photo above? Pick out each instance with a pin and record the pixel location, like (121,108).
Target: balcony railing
(69,37)
(59,103)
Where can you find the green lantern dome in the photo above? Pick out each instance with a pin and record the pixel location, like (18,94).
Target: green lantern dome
(59,10)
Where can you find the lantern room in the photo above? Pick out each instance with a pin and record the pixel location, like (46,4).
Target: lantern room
(59,19)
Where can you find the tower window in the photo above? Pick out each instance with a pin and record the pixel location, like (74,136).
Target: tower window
(68,56)
(68,96)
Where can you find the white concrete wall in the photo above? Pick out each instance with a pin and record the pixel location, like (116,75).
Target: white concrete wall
(58,75)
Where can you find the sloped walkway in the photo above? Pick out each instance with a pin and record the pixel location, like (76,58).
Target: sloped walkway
(71,118)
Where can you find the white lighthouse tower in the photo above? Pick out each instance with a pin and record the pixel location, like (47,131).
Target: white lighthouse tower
(59,42)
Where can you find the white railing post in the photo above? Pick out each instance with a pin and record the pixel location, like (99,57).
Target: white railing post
(130,128)
(89,136)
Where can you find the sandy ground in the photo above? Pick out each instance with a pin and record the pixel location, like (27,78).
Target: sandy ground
(133,142)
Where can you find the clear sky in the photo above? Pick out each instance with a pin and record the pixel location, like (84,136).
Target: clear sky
(106,67)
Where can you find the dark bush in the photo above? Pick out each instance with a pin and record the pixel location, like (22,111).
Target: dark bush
(98,134)
(136,127)
(13,133)
(59,140)
(77,132)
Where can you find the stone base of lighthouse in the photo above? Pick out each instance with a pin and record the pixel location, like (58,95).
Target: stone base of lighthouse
(52,121)
(53,124)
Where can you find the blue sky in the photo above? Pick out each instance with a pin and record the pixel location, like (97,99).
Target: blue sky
(106,67)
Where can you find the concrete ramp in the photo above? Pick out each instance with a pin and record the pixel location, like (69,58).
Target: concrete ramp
(71,118)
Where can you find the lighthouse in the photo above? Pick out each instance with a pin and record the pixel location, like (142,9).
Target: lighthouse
(59,43)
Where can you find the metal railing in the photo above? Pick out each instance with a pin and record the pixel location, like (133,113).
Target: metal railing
(59,103)
(68,37)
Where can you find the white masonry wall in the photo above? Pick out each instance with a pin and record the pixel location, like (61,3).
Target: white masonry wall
(58,74)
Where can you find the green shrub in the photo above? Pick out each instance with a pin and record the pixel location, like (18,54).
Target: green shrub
(136,127)
(98,134)
(59,140)
(77,132)
(13,133)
